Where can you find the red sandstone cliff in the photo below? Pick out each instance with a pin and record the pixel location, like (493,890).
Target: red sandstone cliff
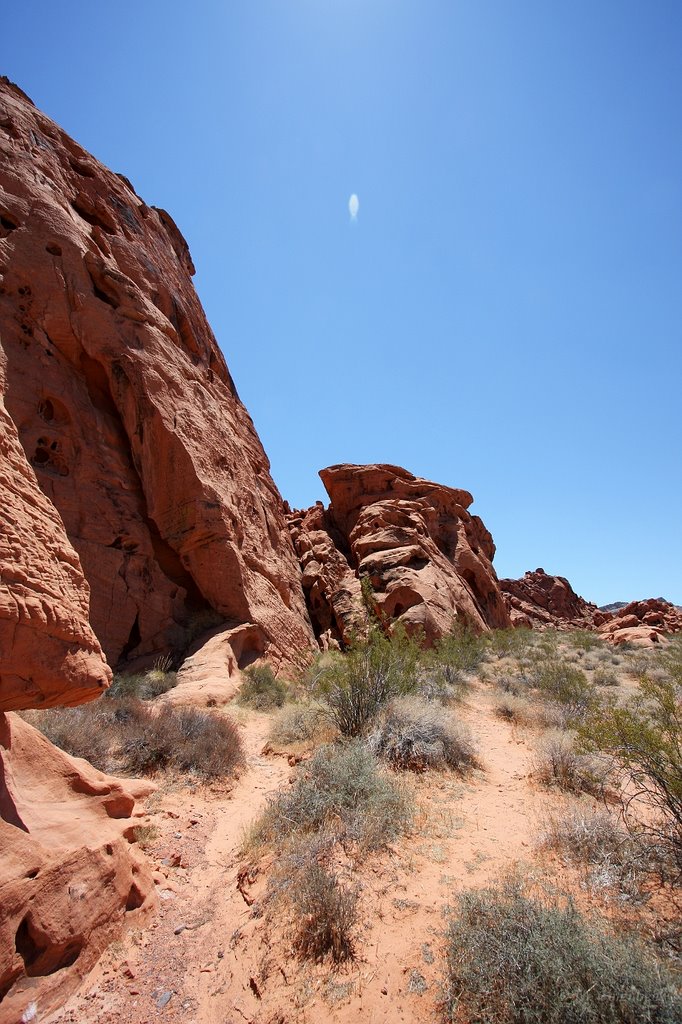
(136,508)
(428,560)
(48,652)
(126,411)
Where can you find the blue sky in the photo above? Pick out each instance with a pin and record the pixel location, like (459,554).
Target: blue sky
(505,315)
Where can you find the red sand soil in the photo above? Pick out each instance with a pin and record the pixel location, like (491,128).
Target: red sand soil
(210,958)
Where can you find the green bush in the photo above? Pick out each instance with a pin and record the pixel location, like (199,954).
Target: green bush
(559,681)
(516,960)
(142,685)
(584,639)
(412,733)
(458,653)
(261,690)
(355,686)
(643,739)
(508,642)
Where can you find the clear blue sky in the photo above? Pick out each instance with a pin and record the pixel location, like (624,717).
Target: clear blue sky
(505,315)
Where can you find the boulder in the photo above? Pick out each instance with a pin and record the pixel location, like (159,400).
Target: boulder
(69,877)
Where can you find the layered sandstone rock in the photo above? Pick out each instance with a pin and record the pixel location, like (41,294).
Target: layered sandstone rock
(125,408)
(428,560)
(643,622)
(538,599)
(69,877)
(48,652)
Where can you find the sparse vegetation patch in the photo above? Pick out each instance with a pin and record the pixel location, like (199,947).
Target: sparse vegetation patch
(341,791)
(261,690)
(515,960)
(415,734)
(131,737)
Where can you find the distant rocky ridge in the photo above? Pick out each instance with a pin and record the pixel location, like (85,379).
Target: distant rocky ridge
(642,622)
(611,608)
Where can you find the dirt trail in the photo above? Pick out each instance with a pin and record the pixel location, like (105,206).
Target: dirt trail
(230,964)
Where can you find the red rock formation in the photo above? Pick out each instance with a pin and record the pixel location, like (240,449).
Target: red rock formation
(126,410)
(68,874)
(48,652)
(428,560)
(542,600)
(644,622)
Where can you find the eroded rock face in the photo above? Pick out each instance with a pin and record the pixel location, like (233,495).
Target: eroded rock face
(48,651)
(538,599)
(428,560)
(69,877)
(643,622)
(125,408)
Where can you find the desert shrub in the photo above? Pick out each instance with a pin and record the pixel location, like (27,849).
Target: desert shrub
(604,677)
(519,709)
(323,912)
(670,659)
(180,738)
(557,763)
(299,723)
(515,682)
(82,732)
(261,690)
(209,744)
(307,893)
(455,655)
(412,733)
(561,682)
(597,841)
(142,685)
(340,789)
(354,687)
(129,736)
(643,739)
(326,916)
(584,639)
(516,960)
(602,655)
(508,642)
(513,708)
(546,642)
(587,835)
(146,836)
